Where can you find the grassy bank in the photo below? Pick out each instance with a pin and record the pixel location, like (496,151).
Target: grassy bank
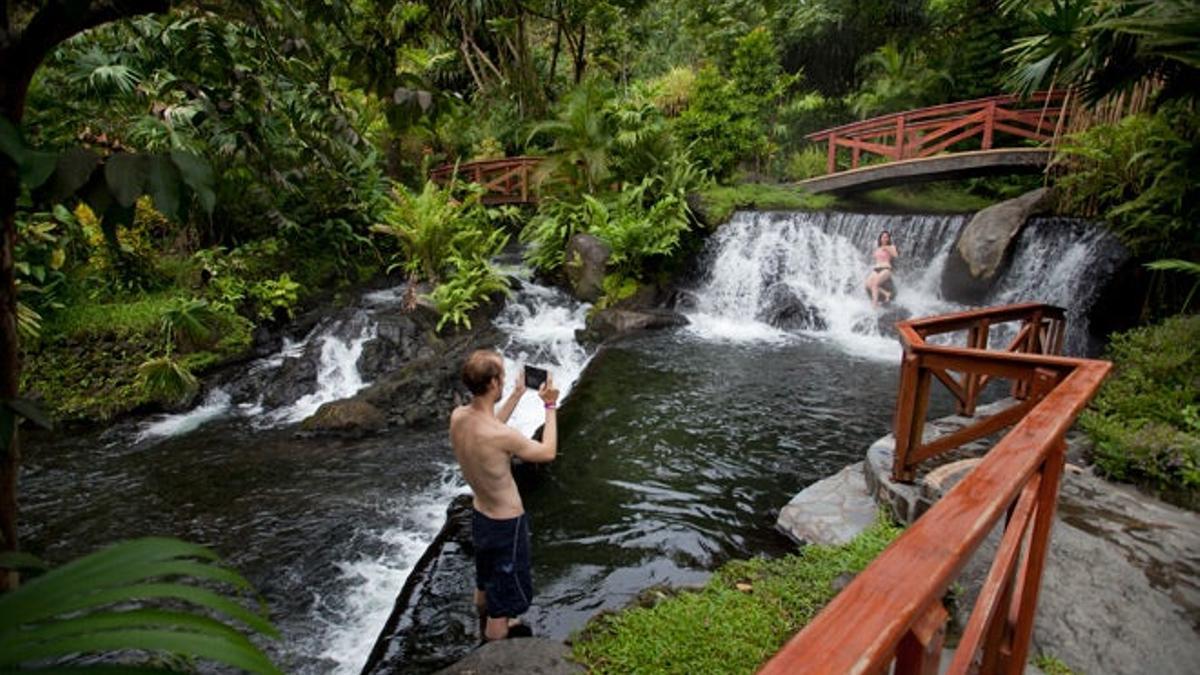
(717,204)
(734,623)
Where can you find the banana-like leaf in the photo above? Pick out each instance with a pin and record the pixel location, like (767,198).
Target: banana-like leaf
(127,175)
(74,609)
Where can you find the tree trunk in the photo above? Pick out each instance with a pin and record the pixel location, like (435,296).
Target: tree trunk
(10,366)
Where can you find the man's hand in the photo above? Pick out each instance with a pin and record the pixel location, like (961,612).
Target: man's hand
(548,392)
(519,386)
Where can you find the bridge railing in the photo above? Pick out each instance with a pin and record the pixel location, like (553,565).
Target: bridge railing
(507,181)
(928,131)
(891,614)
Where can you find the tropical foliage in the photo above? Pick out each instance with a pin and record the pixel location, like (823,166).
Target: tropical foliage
(1145,421)
(143,599)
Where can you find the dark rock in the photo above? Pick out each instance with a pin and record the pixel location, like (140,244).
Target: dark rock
(784,307)
(889,317)
(607,324)
(985,244)
(528,655)
(346,415)
(586,259)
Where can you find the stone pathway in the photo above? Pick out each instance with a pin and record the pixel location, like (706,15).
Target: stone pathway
(528,656)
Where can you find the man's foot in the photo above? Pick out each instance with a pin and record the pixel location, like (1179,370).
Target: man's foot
(503,628)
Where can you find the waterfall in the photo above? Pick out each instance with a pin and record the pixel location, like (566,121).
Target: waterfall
(540,324)
(778,276)
(337,371)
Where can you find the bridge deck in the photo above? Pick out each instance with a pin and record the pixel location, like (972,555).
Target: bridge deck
(925,169)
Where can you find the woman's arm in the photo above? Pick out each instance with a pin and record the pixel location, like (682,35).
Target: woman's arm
(893,250)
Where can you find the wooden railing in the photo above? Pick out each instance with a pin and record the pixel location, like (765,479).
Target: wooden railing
(928,131)
(892,612)
(506,181)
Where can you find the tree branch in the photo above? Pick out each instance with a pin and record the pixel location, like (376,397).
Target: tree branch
(60,19)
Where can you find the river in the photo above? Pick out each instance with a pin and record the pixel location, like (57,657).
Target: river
(677,448)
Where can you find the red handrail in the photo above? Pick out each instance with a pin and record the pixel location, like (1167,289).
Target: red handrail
(928,131)
(891,613)
(505,181)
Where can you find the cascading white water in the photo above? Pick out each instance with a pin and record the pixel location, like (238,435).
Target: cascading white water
(773,276)
(337,374)
(771,273)
(540,323)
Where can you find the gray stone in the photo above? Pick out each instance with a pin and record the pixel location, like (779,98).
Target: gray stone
(983,246)
(1120,591)
(532,656)
(586,259)
(1121,588)
(830,511)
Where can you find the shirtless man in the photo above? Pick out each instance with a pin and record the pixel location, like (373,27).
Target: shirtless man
(484,446)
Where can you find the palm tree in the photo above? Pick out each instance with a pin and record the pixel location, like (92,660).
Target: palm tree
(583,134)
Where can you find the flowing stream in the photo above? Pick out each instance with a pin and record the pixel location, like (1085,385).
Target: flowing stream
(676,450)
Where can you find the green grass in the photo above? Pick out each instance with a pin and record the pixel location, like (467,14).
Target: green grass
(138,316)
(736,622)
(717,204)
(1052,665)
(930,198)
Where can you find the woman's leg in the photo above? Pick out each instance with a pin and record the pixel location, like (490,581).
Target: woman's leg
(882,278)
(873,287)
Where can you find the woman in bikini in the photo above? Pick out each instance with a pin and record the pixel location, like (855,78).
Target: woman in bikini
(881,268)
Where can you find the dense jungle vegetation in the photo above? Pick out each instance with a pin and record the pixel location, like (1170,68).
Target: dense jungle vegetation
(177,175)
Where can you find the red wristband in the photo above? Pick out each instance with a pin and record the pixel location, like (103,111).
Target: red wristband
(550,406)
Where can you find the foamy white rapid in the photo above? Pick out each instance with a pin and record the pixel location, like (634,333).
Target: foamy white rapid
(773,275)
(777,276)
(337,374)
(540,323)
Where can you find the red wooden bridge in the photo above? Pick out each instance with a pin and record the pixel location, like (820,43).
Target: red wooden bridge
(891,614)
(907,147)
(506,180)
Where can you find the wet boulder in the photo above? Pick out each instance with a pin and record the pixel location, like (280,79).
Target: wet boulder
(985,244)
(346,415)
(608,324)
(586,260)
(787,308)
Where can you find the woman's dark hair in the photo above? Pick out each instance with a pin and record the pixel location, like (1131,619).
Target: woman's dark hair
(879,241)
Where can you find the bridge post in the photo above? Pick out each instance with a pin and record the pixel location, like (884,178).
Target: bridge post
(899,137)
(831,163)
(989,124)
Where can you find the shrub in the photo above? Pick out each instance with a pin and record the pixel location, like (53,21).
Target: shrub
(634,231)
(166,380)
(1145,421)
(807,163)
(1143,175)
(188,322)
(276,295)
(720,125)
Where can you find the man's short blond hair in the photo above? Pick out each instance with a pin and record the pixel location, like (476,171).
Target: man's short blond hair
(480,368)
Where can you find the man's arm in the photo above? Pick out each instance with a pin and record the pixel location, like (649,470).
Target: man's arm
(510,404)
(530,450)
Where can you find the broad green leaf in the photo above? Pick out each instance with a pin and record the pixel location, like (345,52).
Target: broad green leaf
(37,168)
(197,175)
(29,410)
(164,183)
(11,143)
(20,560)
(126,176)
(71,172)
(221,649)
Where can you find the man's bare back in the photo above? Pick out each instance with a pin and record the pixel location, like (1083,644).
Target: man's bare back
(484,446)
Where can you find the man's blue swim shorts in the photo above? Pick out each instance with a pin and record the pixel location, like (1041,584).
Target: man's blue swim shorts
(502,563)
